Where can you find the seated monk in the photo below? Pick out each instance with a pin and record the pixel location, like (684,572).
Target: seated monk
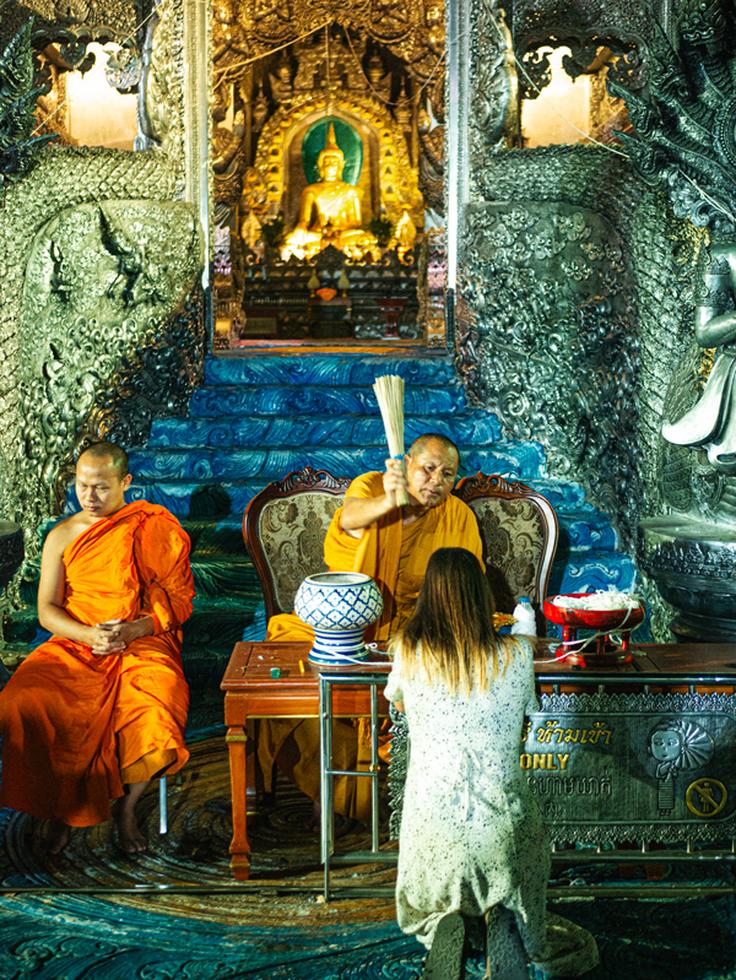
(99,709)
(372,534)
(329,212)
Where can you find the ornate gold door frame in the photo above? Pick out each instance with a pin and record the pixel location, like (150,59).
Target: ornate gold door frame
(197,74)
(239,31)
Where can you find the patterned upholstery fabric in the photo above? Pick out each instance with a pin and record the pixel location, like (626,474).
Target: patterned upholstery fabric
(292,532)
(513,534)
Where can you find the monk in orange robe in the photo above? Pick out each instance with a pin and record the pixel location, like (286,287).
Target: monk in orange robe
(93,714)
(372,534)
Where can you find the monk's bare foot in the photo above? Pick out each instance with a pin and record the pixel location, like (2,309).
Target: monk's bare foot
(130,835)
(57,837)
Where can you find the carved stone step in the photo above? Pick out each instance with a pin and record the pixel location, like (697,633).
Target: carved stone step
(340,369)
(588,571)
(216,572)
(216,624)
(520,460)
(223,537)
(233,401)
(307,430)
(585,531)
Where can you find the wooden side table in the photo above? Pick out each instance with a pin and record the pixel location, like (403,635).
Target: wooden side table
(252,692)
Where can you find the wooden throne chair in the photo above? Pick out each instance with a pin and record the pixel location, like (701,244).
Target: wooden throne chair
(519,530)
(284,528)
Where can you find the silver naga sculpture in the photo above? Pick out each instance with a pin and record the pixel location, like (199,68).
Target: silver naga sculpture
(711,423)
(684,138)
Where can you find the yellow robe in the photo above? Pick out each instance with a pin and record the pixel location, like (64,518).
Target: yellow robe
(77,727)
(396,556)
(393,554)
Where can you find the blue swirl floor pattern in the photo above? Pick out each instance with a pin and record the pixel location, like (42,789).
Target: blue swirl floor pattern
(283,932)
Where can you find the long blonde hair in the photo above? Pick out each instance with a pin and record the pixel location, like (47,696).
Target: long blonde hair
(451,639)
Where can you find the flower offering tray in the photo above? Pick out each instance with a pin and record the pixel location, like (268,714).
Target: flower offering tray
(600,648)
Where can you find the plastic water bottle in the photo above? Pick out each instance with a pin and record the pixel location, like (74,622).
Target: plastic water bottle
(526,621)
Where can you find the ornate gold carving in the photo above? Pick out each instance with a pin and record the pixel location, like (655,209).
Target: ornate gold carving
(607,114)
(397,179)
(228,156)
(413,31)
(51,110)
(286,66)
(706,364)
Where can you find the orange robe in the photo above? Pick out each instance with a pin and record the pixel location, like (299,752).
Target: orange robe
(76,727)
(396,556)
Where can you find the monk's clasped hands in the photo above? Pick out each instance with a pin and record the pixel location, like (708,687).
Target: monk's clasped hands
(106,639)
(114,636)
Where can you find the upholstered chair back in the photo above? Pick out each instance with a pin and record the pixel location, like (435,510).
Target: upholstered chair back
(519,530)
(284,529)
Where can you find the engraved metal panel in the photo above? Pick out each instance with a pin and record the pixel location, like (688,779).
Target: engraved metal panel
(652,767)
(616,768)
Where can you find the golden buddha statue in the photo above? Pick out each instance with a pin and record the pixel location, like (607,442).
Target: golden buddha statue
(329,212)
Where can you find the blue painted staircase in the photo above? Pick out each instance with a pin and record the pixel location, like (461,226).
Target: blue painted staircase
(262,414)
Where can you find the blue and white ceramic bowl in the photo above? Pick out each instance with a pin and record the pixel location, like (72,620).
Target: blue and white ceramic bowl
(339,606)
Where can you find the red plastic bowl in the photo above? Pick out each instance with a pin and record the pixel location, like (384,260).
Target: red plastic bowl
(605,620)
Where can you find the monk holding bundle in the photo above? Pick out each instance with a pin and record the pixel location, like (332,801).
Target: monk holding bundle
(99,710)
(372,534)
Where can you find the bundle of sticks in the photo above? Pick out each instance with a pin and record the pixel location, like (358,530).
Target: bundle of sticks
(389,389)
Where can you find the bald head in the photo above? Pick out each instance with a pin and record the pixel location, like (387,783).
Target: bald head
(101,480)
(98,451)
(421,442)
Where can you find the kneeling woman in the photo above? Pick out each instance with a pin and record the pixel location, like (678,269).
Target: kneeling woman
(472,835)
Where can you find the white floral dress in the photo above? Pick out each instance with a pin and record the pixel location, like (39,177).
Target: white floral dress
(471,833)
